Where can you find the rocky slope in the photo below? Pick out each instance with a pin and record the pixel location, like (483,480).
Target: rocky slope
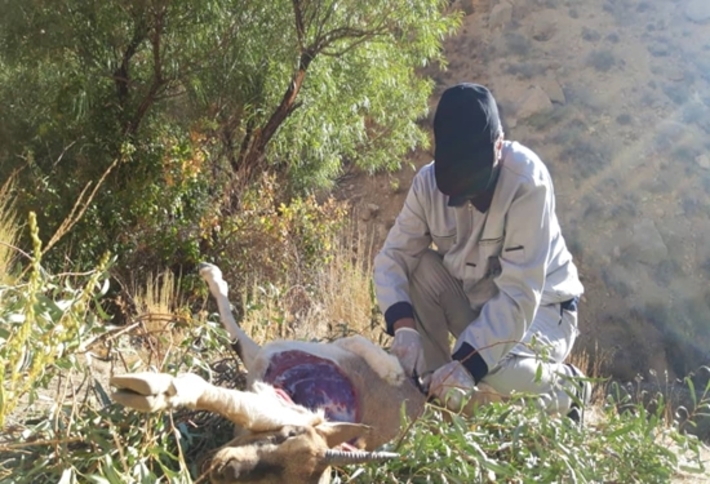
(615,97)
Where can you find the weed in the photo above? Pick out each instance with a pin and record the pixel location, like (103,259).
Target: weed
(659,49)
(678,96)
(587,158)
(543,121)
(44,319)
(601,60)
(50,322)
(666,271)
(524,70)
(508,442)
(615,285)
(697,112)
(613,38)
(584,96)
(517,44)
(644,6)
(624,119)
(683,152)
(690,206)
(590,35)
(626,208)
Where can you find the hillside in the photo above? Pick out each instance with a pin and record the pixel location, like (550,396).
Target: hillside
(614,96)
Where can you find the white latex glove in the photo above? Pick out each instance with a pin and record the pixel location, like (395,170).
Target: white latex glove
(450,384)
(407,347)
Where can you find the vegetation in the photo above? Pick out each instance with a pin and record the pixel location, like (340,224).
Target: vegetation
(69,431)
(150,120)
(140,135)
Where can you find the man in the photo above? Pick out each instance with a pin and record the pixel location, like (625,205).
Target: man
(500,278)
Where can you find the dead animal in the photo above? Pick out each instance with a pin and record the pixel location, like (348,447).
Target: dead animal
(309,405)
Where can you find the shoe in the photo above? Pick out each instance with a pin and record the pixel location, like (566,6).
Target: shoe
(583,396)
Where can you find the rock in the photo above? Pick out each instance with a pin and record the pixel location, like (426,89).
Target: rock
(500,16)
(670,131)
(698,11)
(675,73)
(369,211)
(543,30)
(647,245)
(553,90)
(382,231)
(535,101)
(703,161)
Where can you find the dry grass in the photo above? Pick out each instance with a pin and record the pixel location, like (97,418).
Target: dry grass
(338,303)
(157,299)
(160,326)
(593,364)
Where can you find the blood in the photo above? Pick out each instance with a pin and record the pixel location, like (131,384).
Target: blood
(316,383)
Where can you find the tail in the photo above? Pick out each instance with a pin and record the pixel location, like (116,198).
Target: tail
(245,347)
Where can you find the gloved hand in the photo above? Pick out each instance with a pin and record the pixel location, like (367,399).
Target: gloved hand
(407,347)
(450,384)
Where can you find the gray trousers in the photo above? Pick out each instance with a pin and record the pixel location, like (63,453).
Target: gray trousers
(442,309)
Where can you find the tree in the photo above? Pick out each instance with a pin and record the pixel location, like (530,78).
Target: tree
(186,103)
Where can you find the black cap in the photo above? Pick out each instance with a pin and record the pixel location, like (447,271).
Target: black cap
(466,127)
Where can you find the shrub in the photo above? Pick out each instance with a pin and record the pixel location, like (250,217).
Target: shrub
(517,443)
(45,323)
(601,60)
(132,93)
(84,437)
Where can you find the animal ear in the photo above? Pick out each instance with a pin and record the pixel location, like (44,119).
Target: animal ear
(335,433)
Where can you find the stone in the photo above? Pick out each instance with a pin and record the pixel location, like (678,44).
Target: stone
(382,231)
(369,211)
(500,16)
(553,90)
(703,161)
(698,11)
(535,101)
(647,245)
(543,30)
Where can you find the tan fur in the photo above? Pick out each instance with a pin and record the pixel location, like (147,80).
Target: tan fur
(385,365)
(281,442)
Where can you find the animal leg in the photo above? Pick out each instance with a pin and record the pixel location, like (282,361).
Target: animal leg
(258,411)
(246,348)
(385,365)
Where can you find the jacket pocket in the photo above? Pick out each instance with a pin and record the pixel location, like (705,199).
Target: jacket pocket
(443,243)
(490,251)
(514,254)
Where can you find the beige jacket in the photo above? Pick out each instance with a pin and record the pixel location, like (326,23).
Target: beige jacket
(517,245)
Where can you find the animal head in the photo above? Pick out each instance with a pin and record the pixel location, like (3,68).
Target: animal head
(297,454)
(280,441)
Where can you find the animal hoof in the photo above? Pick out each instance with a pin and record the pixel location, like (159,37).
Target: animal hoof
(146,384)
(204,267)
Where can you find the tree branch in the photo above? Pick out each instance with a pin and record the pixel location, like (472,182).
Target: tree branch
(158,82)
(122,76)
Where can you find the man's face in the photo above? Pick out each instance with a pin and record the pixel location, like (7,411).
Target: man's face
(480,182)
